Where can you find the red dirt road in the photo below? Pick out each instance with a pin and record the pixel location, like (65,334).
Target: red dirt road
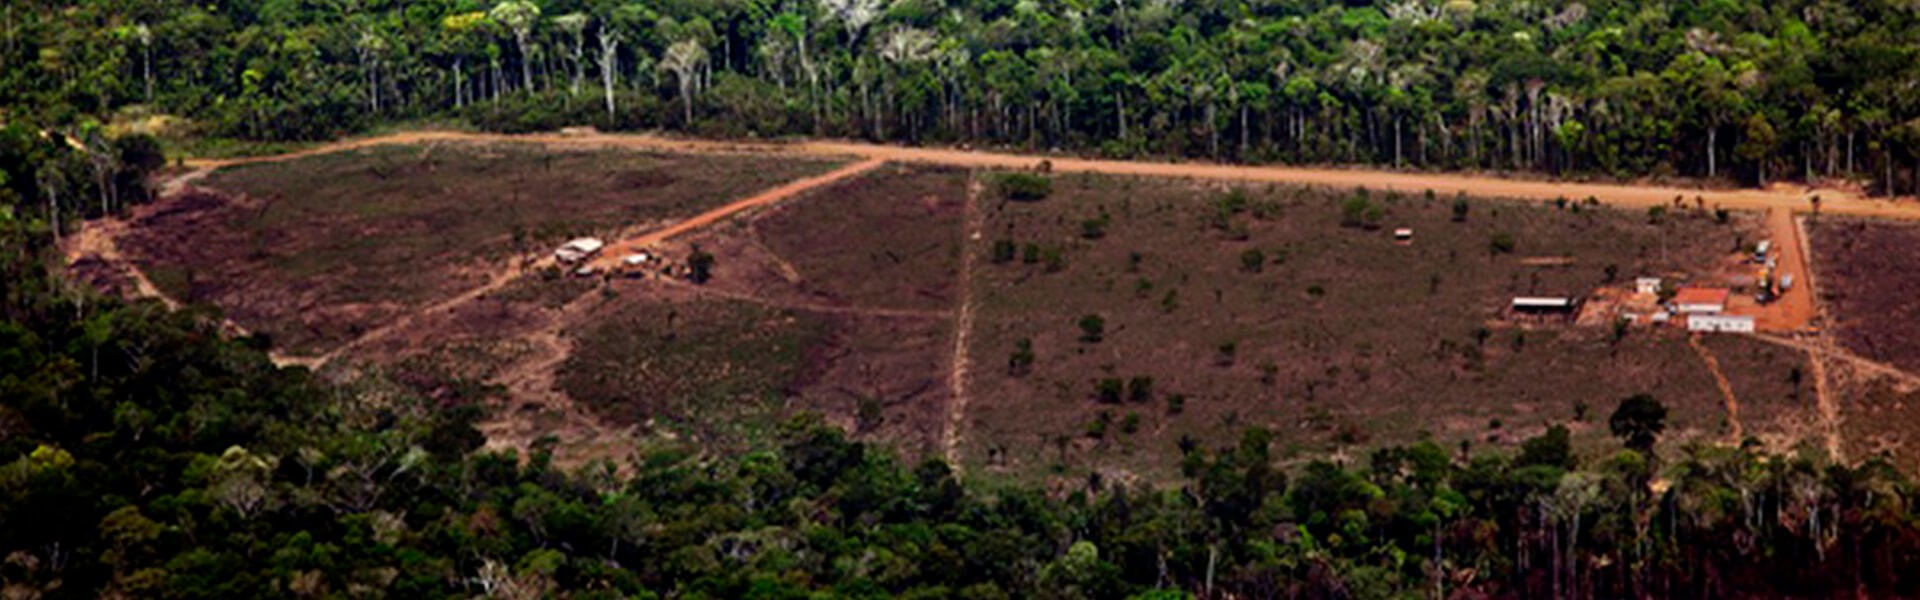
(1834,201)
(610,257)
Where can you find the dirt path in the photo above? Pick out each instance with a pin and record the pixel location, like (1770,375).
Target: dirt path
(1779,197)
(1726,388)
(532,386)
(1860,363)
(962,330)
(610,257)
(497,279)
(862,311)
(1829,408)
(100,239)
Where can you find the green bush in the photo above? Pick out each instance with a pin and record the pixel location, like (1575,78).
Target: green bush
(1502,243)
(1025,187)
(1093,328)
(1003,251)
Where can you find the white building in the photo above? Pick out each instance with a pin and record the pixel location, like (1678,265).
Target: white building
(578,250)
(1720,323)
(1647,285)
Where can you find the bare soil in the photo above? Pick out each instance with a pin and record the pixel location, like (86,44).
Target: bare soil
(318,251)
(1869,286)
(1339,338)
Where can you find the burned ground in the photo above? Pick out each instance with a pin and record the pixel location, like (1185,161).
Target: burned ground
(1868,284)
(318,250)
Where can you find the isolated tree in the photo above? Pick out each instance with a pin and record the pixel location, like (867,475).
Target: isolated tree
(685,59)
(700,265)
(1638,422)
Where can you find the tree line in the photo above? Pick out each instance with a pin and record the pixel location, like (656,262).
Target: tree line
(1730,89)
(144,453)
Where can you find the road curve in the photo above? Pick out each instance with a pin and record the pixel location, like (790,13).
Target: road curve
(1796,199)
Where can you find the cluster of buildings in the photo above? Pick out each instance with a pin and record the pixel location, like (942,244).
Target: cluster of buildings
(578,254)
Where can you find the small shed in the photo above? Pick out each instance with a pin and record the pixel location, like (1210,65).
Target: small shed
(1543,305)
(578,250)
(1403,235)
(1720,323)
(1647,285)
(1701,300)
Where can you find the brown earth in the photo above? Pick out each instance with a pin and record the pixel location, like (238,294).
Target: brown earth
(1337,339)
(324,251)
(1870,287)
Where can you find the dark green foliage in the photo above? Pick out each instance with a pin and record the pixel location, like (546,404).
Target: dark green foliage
(1140,389)
(1253,260)
(1109,390)
(1460,208)
(1638,422)
(1021,361)
(1095,228)
(1093,328)
(1502,243)
(699,265)
(1550,449)
(1002,252)
(1025,187)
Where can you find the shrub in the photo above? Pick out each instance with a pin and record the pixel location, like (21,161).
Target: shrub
(1130,423)
(1176,404)
(1025,187)
(1003,251)
(1170,301)
(1021,361)
(1096,228)
(1030,253)
(1460,209)
(1252,260)
(1140,388)
(700,266)
(1055,259)
(1502,243)
(1109,390)
(1316,290)
(1093,328)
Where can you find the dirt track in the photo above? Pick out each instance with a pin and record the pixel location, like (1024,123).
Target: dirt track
(1791,198)
(610,257)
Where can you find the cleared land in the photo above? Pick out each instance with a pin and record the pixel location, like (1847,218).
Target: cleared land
(1220,311)
(837,304)
(318,250)
(1869,285)
(1217,310)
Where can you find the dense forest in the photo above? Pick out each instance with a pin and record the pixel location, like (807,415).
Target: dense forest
(1724,89)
